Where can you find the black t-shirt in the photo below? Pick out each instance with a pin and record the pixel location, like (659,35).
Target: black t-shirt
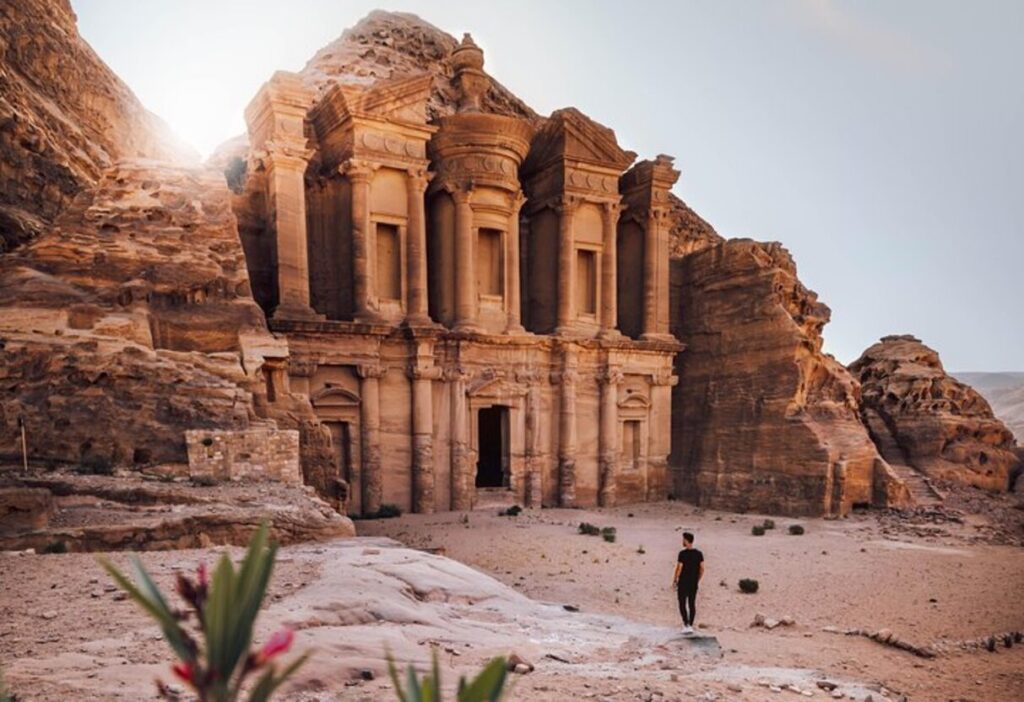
(691,559)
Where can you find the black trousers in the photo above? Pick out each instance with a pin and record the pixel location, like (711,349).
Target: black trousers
(687,602)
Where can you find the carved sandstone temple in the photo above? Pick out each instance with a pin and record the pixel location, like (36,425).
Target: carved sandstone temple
(474,305)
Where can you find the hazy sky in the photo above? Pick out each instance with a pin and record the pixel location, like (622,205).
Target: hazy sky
(882,142)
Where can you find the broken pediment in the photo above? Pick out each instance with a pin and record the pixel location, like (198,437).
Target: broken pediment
(569,135)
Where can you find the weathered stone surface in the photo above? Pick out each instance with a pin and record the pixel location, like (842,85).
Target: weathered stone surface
(762,419)
(24,508)
(64,118)
(942,427)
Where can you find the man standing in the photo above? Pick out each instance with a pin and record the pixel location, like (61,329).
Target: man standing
(689,571)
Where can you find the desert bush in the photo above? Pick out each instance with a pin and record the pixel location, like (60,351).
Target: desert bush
(590,529)
(95,465)
(223,611)
(609,534)
(757,530)
(513,511)
(796,529)
(6,696)
(641,550)
(57,546)
(769,524)
(749,586)
(388,511)
(204,480)
(487,686)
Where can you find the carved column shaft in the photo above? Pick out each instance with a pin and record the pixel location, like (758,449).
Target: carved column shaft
(286,182)
(661,304)
(567,435)
(608,443)
(465,263)
(513,279)
(534,497)
(369,420)
(650,276)
(462,499)
(416,305)
(566,251)
(423,440)
(362,289)
(609,264)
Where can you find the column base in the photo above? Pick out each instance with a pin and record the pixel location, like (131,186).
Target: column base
(467,328)
(610,334)
(369,317)
(296,311)
(657,337)
(515,328)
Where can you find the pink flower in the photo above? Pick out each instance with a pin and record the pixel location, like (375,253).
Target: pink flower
(185,671)
(280,642)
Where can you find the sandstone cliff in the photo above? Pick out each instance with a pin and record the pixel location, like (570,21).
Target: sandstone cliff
(64,117)
(762,419)
(933,422)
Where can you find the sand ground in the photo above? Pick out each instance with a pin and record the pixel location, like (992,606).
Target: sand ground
(849,573)
(64,634)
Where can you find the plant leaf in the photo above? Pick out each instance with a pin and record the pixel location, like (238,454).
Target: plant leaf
(488,685)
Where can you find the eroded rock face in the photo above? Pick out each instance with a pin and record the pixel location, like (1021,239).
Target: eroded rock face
(762,419)
(942,427)
(64,118)
(129,321)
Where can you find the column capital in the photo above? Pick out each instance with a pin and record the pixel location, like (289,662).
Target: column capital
(462,193)
(567,204)
(455,374)
(424,372)
(419,178)
(611,375)
(371,370)
(568,376)
(659,214)
(286,154)
(664,377)
(613,209)
(357,169)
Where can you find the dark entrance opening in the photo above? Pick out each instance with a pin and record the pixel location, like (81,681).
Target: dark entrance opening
(492,441)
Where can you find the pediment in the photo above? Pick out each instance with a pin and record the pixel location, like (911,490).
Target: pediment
(334,397)
(569,135)
(399,100)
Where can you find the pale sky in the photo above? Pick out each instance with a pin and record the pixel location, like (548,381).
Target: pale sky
(881,141)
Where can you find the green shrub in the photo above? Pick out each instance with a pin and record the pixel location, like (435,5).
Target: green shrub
(386,511)
(204,480)
(224,609)
(95,465)
(487,686)
(641,550)
(749,586)
(608,534)
(757,530)
(769,523)
(590,529)
(513,511)
(796,529)
(56,547)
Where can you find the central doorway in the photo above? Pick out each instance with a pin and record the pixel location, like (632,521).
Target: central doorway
(493,449)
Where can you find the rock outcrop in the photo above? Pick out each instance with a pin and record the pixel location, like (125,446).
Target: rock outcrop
(64,118)
(763,419)
(937,424)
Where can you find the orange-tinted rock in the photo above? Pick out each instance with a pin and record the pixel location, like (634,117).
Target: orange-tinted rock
(942,427)
(64,117)
(762,419)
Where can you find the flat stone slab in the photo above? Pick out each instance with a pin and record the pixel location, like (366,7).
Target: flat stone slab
(701,643)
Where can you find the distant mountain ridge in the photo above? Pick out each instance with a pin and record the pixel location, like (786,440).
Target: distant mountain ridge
(1005,392)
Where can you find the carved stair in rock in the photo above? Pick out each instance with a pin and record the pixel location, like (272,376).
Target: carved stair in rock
(494,499)
(921,489)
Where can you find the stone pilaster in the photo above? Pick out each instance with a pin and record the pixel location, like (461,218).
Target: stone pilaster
(416,255)
(533,440)
(512,280)
(608,440)
(422,378)
(660,434)
(465,262)
(566,380)
(566,264)
(369,421)
(286,169)
(609,271)
(462,488)
(656,275)
(363,240)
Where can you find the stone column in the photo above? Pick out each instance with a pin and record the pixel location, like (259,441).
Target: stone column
(462,491)
(369,430)
(567,431)
(359,175)
(416,251)
(608,443)
(659,441)
(656,275)
(533,438)
(286,169)
(512,279)
(465,262)
(423,437)
(609,271)
(566,275)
